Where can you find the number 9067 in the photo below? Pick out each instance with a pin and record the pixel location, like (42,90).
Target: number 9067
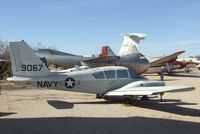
(31,67)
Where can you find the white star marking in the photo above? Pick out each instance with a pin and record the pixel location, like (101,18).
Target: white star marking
(70,83)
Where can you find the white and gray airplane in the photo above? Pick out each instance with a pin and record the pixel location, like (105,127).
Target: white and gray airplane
(128,56)
(193,63)
(106,82)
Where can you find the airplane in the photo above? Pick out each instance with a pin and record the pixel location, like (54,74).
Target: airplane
(168,63)
(128,56)
(60,59)
(106,82)
(192,63)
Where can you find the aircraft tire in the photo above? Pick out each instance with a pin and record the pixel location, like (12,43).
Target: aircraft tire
(145,97)
(127,100)
(170,73)
(99,96)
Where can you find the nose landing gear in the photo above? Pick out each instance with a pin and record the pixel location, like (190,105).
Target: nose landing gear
(161,96)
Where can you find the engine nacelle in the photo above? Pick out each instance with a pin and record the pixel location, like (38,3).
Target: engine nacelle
(143,84)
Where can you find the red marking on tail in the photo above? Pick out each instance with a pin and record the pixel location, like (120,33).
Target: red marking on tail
(104,51)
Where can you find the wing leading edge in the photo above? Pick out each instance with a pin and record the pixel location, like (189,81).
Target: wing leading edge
(169,58)
(140,91)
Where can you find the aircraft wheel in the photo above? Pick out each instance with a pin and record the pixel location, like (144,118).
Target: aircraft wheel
(187,70)
(127,100)
(170,73)
(99,96)
(145,97)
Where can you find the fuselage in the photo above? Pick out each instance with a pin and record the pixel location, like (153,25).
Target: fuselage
(135,61)
(96,80)
(61,59)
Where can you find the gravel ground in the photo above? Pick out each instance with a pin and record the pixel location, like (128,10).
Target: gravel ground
(38,111)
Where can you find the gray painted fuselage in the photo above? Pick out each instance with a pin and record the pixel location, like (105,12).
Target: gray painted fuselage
(135,61)
(84,81)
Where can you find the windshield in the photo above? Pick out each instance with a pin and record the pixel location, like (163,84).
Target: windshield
(122,74)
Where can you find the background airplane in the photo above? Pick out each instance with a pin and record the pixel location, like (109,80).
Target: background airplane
(106,82)
(168,63)
(192,63)
(60,59)
(128,56)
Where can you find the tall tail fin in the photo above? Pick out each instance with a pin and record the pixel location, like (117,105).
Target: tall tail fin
(106,51)
(24,61)
(130,43)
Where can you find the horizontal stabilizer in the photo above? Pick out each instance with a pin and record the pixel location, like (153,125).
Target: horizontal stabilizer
(130,43)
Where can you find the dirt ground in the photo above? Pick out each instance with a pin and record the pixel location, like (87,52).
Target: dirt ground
(38,111)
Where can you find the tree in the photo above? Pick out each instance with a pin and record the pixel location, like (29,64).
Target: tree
(4,51)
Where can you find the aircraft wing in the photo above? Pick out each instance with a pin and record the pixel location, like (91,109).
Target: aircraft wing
(169,58)
(140,91)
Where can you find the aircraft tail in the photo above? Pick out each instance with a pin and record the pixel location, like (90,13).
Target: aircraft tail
(130,43)
(106,51)
(24,61)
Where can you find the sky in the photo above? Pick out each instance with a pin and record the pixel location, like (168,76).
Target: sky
(83,26)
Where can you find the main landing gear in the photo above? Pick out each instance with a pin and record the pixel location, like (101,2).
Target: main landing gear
(99,96)
(145,97)
(129,99)
(161,96)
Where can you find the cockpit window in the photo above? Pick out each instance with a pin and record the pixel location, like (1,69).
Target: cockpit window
(122,74)
(99,75)
(132,73)
(110,74)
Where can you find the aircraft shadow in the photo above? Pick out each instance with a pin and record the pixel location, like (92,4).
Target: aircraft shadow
(176,74)
(167,105)
(6,113)
(170,106)
(186,75)
(165,79)
(169,79)
(97,125)
(60,104)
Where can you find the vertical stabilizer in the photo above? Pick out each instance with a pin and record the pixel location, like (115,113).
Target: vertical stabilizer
(24,61)
(130,43)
